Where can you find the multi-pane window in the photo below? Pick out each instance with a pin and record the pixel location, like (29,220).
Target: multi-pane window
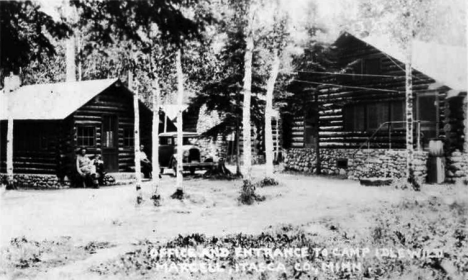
(128,137)
(86,136)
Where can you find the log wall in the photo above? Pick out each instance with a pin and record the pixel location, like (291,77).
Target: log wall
(35,145)
(333,99)
(115,101)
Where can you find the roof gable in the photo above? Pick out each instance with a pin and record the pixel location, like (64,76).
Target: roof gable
(445,64)
(52,101)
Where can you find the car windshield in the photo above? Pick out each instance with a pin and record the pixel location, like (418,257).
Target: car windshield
(187,140)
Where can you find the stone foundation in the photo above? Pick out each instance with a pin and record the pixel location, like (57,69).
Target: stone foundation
(37,181)
(361,164)
(49,181)
(456,166)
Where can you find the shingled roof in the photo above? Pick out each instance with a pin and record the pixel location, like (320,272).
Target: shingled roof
(51,101)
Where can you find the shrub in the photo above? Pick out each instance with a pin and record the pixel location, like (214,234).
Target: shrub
(248,195)
(267,181)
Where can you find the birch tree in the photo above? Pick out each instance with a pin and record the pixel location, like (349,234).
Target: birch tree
(180,98)
(247,90)
(403,21)
(130,21)
(276,41)
(134,87)
(268,114)
(156,100)
(11,83)
(409,99)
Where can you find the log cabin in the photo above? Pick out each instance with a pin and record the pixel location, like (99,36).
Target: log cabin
(52,121)
(355,115)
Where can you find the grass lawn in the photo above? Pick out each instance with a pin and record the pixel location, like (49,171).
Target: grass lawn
(102,233)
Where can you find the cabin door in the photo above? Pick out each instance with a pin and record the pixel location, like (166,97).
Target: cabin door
(110,143)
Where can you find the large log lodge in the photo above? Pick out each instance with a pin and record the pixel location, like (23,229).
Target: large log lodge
(52,121)
(356,115)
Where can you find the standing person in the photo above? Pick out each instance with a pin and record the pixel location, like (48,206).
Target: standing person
(86,168)
(99,165)
(146,166)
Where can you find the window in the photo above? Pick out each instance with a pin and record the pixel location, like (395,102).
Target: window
(377,114)
(397,110)
(354,117)
(427,111)
(165,141)
(128,137)
(86,136)
(370,116)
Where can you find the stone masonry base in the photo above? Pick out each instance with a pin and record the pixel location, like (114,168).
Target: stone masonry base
(362,164)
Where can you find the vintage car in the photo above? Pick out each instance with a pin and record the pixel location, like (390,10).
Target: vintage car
(192,159)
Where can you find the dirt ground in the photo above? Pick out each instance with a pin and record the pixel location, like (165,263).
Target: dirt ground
(109,219)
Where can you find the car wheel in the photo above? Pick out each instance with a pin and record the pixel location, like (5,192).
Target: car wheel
(192,170)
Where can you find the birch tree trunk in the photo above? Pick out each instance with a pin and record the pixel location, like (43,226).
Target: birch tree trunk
(247,143)
(180,97)
(268,114)
(409,110)
(238,169)
(136,136)
(9,155)
(465,146)
(155,154)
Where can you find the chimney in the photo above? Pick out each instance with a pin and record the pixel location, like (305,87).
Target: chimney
(11,83)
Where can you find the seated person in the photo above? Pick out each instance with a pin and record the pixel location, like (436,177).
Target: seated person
(85,168)
(99,164)
(146,166)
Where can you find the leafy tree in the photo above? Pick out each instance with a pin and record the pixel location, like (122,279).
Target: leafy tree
(147,26)
(276,41)
(27,35)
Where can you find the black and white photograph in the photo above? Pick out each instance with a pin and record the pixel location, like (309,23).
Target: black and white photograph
(234,139)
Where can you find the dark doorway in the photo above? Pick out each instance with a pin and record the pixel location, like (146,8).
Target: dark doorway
(310,125)
(110,143)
